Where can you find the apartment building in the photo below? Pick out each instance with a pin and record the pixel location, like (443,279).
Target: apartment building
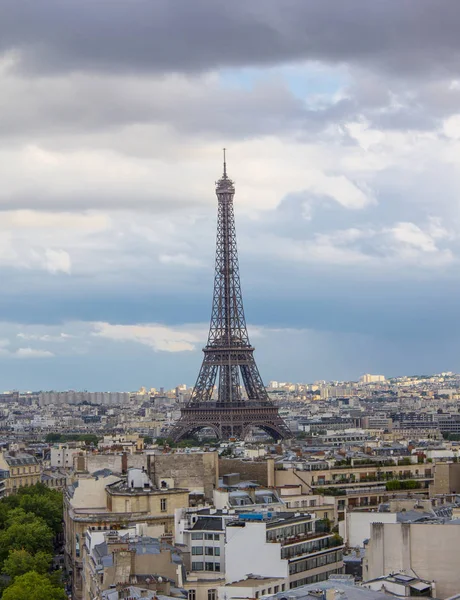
(104,502)
(113,558)
(294,546)
(428,550)
(20,470)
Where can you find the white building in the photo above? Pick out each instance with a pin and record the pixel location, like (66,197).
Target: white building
(62,456)
(281,545)
(368,378)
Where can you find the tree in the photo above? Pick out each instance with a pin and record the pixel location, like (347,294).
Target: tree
(148,440)
(20,562)
(49,508)
(33,536)
(19,515)
(33,586)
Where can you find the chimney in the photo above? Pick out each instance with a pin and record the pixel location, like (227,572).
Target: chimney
(124,463)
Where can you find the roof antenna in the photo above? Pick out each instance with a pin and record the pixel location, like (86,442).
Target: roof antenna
(225,166)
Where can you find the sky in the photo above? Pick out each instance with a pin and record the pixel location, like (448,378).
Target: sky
(342,127)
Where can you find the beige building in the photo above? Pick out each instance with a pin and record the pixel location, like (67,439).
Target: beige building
(196,471)
(446,478)
(425,550)
(117,558)
(22,470)
(104,503)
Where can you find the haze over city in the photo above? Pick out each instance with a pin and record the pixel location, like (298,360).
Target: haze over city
(342,128)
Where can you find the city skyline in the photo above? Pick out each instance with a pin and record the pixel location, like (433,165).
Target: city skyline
(345,154)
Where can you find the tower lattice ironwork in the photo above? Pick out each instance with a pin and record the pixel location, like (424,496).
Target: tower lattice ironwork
(228,365)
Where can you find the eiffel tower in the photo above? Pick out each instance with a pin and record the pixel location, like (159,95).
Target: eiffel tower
(228,354)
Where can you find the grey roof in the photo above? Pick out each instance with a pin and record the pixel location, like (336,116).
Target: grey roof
(349,590)
(142,545)
(208,524)
(413,516)
(21,459)
(102,473)
(134,592)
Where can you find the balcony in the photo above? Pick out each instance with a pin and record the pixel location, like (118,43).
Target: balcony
(353,481)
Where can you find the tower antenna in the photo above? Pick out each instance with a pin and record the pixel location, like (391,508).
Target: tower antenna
(225,165)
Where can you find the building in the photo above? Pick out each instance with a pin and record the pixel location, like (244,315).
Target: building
(367,378)
(196,471)
(428,551)
(114,558)
(297,547)
(336,588)
(21,470)
(252,586)
(56,479)
(62,455)
(446,478)
(400,584)
(104,502)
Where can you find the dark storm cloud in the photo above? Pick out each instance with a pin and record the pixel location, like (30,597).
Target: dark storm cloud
(183,35)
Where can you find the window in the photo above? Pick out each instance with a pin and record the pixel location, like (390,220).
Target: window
(197,550)
(197,566)
(163,503)
(217,567)
(209,566)
(216,536)
(216,551)
(276,589)
(208,536)
(283,587)
(197,536)
(257,594)
(212,594)
(209,551)
(192,595)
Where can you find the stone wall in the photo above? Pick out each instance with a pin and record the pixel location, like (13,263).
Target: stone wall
(196,471)
(259,471)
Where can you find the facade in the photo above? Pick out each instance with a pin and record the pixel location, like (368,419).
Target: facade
(252,586)
(446,478)
(125,557)
(196,471)
(105,502)
(56,479)
(281,545)
(21,470)
(368,378)
(62,455)
(424,550)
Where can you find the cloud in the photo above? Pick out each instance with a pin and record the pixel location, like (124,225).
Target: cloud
(165,36)
(342,127)
(57,261)
(179,259)
(25,353)
(32,353)
(158,337)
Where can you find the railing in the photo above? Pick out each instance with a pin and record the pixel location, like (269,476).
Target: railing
(364,480)
(299,538)
(377,488)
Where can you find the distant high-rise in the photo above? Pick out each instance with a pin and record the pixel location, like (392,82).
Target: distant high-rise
(228,355)
(372,378)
